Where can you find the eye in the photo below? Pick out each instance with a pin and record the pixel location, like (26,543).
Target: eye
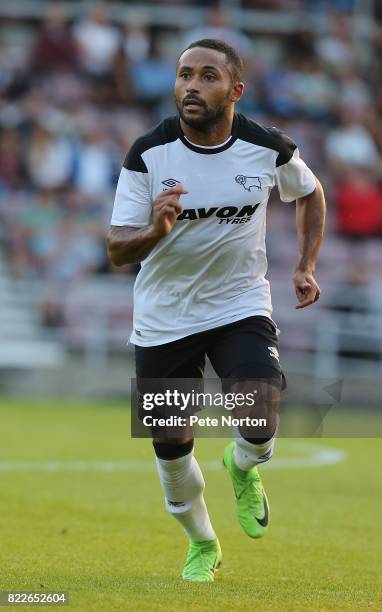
(210,77)
(184,75)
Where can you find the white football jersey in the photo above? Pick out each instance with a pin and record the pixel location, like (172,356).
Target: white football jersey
(210,270)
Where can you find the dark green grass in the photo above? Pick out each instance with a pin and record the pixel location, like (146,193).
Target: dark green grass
(105,537)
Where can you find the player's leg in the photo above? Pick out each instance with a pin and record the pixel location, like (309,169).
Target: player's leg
(183,486)
(179,472)
(254,444)
(242,457)
(245,356)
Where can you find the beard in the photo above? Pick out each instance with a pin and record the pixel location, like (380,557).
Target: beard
(207,118)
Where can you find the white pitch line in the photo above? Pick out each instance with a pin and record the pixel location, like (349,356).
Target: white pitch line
(310,455)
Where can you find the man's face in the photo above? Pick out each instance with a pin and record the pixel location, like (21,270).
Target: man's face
(203,87)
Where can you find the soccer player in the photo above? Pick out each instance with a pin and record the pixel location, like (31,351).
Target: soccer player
(190,206)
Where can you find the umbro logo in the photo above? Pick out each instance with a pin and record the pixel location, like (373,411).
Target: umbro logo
(170,183)
(248,181)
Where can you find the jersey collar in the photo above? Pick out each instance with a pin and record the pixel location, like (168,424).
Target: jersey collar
(206,150)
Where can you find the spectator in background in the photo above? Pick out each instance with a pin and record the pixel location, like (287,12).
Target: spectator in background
(218,26)
(280,98)
(351,144)
(52,311)
(134,50)
(153,76)
(335,49)
(60,246)
(54,47)
(49,159)
(77,250)
(93,168)
(37,227)
(97,41)
(358,205)
(312,89)
(12,170)
(136,40)
(354,94)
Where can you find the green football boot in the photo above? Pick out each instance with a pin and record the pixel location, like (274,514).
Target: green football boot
(251,500)
(203,559)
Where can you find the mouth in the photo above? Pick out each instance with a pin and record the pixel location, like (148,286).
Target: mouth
(192,104)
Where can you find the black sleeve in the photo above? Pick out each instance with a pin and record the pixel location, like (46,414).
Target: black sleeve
(284,145)
(133,160)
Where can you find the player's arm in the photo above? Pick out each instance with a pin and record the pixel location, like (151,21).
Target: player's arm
(296,182)
(310,221)
(131,244)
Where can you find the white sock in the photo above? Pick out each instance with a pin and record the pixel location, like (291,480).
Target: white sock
(246,455)
(183,485)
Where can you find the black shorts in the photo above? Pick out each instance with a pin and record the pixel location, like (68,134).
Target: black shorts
(245,349)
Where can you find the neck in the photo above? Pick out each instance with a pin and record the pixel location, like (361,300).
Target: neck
(214,135)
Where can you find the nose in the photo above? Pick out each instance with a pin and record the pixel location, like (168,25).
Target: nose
(192,85)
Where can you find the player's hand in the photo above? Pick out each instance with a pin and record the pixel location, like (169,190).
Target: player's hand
(307,290)
(166,208)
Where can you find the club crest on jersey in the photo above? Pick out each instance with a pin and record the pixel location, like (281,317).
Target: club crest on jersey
(248,181)
(170,183)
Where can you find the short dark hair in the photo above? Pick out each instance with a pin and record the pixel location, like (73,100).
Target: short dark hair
(233,58)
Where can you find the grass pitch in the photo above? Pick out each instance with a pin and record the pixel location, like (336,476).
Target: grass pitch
(82,512)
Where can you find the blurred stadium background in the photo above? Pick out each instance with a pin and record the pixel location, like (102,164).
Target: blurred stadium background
(80,81)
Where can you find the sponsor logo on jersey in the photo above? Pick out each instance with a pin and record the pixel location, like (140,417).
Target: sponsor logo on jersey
(170,183)
(225,214)
(248,181)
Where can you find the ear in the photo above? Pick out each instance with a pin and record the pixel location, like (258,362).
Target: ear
(237,91)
